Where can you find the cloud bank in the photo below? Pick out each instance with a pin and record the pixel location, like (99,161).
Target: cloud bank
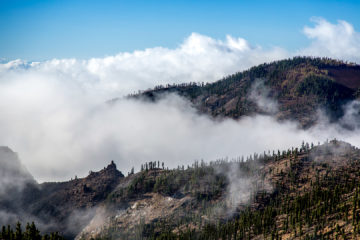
(53,112)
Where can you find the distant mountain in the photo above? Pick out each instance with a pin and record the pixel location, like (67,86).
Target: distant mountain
(299,86)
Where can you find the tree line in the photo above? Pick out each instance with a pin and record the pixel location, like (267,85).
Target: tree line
(31,232)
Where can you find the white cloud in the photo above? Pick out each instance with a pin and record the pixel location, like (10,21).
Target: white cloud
(339,40)
(198,59)
(53,112)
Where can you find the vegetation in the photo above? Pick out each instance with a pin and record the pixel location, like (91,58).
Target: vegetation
(31,233)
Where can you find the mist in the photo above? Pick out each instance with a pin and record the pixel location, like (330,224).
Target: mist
(82,138)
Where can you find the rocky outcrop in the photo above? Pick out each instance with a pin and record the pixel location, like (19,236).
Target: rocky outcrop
(55,206)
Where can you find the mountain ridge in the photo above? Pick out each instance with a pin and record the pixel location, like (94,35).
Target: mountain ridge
(300,86)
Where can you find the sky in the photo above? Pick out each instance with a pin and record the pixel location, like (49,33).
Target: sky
(38,30)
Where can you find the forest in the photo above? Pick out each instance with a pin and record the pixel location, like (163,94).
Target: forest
(31,232)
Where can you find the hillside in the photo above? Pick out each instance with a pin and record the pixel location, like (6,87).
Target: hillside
(299,86)
(311,192)
(56,206)
(306,193)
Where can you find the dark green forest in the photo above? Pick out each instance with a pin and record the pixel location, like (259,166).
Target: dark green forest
(31,232)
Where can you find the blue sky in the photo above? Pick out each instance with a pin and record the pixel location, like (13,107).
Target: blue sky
(40,30)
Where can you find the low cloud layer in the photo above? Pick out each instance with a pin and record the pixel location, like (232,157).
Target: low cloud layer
(131,132)
(53,113)
(260,94)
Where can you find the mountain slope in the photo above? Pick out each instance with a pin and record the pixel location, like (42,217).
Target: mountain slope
(306,193)
(311,192)
(58,206)
(300,86)
(71,205)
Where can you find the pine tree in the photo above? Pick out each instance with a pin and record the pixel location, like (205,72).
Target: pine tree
(18,232)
